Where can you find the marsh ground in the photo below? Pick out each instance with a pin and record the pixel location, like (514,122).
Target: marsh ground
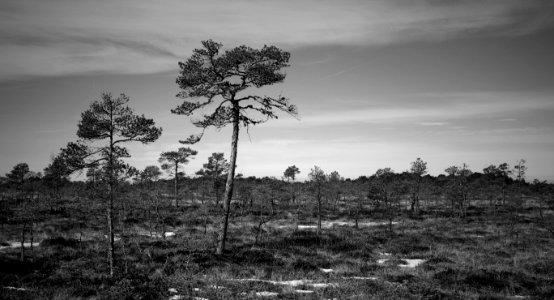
(433,256)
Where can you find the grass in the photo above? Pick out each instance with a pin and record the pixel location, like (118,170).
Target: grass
(474,258)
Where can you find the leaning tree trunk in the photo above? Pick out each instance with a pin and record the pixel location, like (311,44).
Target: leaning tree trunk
(110,204)
(175,185)
(230,180)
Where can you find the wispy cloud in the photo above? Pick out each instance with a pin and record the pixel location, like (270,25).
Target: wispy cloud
(335,74)
(430,110)
(57,37)
(433,123)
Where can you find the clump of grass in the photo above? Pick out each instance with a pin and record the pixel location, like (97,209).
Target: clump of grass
(60,242)
(408,244)
(304,265)
(437,262)
(259,257)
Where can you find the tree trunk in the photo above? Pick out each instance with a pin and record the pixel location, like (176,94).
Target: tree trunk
(123,239)
(318,213)
(297,215)
(358,209)
(230,180)
(111,245)
(175,186)
(22,254)
(216,191)
(540,207)
(109,210)
(32,240)
(503,195)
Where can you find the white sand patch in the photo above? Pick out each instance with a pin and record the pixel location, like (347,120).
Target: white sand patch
(327,270)
(338,223)
(267,294)
(323,285)
(412,263)
(330,224)
(293,283)
(303,227)
(303,291)
(154,234)
(181,297)
(217,287)
(196,289)
(18,245)
(116,238)
(15,288)
(172,290)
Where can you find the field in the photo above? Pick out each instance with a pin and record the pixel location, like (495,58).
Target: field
(279,255)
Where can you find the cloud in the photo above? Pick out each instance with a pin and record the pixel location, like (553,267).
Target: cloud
(59,37)
(433,123)
(427,110)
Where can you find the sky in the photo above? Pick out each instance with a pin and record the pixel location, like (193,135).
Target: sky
(377,83)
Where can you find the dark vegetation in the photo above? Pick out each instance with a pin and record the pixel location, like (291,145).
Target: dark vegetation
(487,249)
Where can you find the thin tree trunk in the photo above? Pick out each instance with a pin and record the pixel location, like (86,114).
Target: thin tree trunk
(109,212)
(123,239)
(318,213)
(503,196)
(111,243)
(540,207)
(297,215)
(32,240)
(390,219)
(22,254)
(358,209)
(175,186)
(205,218)
(230,180)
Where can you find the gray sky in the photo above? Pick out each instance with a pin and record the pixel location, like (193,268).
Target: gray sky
(377,83)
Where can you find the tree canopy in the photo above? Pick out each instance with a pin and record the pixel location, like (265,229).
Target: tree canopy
(291,172)
(17,174)
(220,78)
